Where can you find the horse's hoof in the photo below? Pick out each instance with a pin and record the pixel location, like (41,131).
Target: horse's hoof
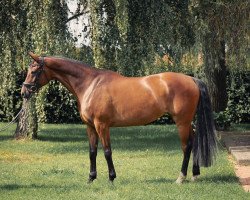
(90,180)
(180,179)
(92,176)
(111,179)
(112,176)
(194,178)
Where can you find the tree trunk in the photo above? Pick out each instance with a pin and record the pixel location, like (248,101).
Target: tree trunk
(27,124)
(215,72)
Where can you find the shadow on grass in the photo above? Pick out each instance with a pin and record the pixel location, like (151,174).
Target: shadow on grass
(6,137)
(160,180)
(220,179)
(12,187)
(125,139)
(63,135)
(215,179)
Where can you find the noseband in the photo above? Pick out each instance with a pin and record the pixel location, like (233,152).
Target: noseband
(33,86)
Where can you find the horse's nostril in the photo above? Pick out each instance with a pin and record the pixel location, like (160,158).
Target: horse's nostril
(24,95)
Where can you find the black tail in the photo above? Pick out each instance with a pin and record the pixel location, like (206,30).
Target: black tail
(204,148)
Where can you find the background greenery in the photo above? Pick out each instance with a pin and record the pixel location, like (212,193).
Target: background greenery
(204,38)
(207,39)
(147,161)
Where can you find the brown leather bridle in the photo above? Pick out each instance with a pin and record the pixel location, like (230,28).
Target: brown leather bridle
(34,86)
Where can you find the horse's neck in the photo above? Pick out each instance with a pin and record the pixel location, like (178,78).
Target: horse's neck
(74,76)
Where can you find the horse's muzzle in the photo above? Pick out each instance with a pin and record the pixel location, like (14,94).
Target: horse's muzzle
(25,94)
(28,89)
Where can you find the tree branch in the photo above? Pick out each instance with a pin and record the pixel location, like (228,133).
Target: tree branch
(74,16)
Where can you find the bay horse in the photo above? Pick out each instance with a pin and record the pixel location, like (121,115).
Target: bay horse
(107,99)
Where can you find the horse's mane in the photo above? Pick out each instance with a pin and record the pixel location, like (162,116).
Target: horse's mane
(70,60)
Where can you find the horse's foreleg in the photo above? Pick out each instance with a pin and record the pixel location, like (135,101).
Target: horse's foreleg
(186,136)
(93,143)
(104,135)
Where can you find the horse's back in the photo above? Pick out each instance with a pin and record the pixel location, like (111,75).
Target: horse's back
(122,101)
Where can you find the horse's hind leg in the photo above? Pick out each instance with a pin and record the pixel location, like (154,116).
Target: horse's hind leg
(196,167)
(186,136)
(196,172)
(93,143)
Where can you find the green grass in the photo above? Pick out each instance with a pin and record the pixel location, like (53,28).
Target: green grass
(147,161)
(240,127)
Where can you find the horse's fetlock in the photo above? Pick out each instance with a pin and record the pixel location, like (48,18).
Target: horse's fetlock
(112,175)
(92,175)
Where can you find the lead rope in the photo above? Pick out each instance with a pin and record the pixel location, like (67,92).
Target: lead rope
(12,122)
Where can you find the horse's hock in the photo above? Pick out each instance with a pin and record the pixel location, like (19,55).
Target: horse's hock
(238,144)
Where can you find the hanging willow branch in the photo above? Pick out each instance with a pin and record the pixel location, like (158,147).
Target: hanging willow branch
(75,16)
(82,8)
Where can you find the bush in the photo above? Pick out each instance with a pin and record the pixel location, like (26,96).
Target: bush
(165,119)
(60,106)
(222,120)
(238,107)
(239,97)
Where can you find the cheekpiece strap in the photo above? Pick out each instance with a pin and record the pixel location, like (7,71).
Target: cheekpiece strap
(41,61)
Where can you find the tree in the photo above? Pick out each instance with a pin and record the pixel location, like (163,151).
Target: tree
(27,125)
(221,24)
(126,36)
(14,13)
(29,25)
(104,33)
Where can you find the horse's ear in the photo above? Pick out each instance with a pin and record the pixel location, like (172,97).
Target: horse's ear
(34,56)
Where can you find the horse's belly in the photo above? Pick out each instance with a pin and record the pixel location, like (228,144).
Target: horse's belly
(132,115)
(136,121)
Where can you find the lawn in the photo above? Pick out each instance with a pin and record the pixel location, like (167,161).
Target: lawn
(147,160)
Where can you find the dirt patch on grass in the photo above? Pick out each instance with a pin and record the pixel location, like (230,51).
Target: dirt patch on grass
(22,157)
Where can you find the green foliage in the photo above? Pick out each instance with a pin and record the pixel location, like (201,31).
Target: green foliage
(128,36)
(60,106)
(224,44)
(149,29)
(222,120)
(37,26)
(104,33)
(238,106)
(239,97)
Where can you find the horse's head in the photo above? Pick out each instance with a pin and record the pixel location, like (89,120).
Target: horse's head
(36,76)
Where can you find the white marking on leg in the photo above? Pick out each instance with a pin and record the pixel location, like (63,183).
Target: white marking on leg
(181,178)
(194,178)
